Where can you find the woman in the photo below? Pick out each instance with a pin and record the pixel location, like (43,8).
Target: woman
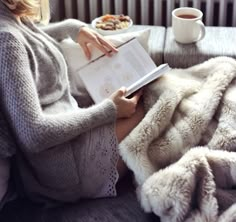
(66,152)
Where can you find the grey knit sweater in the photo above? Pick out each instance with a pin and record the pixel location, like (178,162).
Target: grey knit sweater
(35,97)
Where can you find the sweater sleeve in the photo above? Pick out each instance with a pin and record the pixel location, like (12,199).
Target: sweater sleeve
(34,129)
(64,29)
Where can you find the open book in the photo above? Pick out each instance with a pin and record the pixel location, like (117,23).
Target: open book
(131,67)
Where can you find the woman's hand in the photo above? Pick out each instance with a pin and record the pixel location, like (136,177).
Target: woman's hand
(126,107)
(88,36)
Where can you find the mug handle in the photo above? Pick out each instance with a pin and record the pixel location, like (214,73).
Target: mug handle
(203,30)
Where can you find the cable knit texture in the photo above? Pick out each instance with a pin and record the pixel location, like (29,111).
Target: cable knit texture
(49,127)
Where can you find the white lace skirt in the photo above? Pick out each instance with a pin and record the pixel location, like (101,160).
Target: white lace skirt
(98,157)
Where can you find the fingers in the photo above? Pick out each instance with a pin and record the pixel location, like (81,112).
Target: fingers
(134,99)
(137,96)
(108,45)
(122,91)
(103,45)
(86,51)
(133,102)
(87,36)
(126,107)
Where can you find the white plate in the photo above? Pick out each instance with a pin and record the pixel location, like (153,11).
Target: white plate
(109,32)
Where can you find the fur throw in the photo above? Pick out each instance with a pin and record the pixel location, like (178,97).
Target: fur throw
(186,191)
(184,108)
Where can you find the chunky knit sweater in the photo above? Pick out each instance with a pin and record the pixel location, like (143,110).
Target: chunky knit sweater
(35,95)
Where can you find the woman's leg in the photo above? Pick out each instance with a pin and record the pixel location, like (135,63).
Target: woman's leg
(123,128)
(126,125)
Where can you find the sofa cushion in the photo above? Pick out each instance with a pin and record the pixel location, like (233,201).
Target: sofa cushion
(4,178)
(218,41)
(156,41)
(124,207)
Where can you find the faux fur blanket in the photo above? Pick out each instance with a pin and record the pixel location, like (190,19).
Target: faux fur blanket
(187,108)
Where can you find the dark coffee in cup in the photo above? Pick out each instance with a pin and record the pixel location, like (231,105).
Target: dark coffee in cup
(187,16)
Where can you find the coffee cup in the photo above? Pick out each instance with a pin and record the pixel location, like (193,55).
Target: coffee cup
(187,25)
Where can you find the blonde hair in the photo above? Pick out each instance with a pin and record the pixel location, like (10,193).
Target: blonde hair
(35,9)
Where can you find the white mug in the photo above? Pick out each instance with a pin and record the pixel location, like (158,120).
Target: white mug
(187,25)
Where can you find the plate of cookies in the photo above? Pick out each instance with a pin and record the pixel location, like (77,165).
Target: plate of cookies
(112,24)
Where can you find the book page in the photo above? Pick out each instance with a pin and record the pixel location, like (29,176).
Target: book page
(148,78)
(107,74)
